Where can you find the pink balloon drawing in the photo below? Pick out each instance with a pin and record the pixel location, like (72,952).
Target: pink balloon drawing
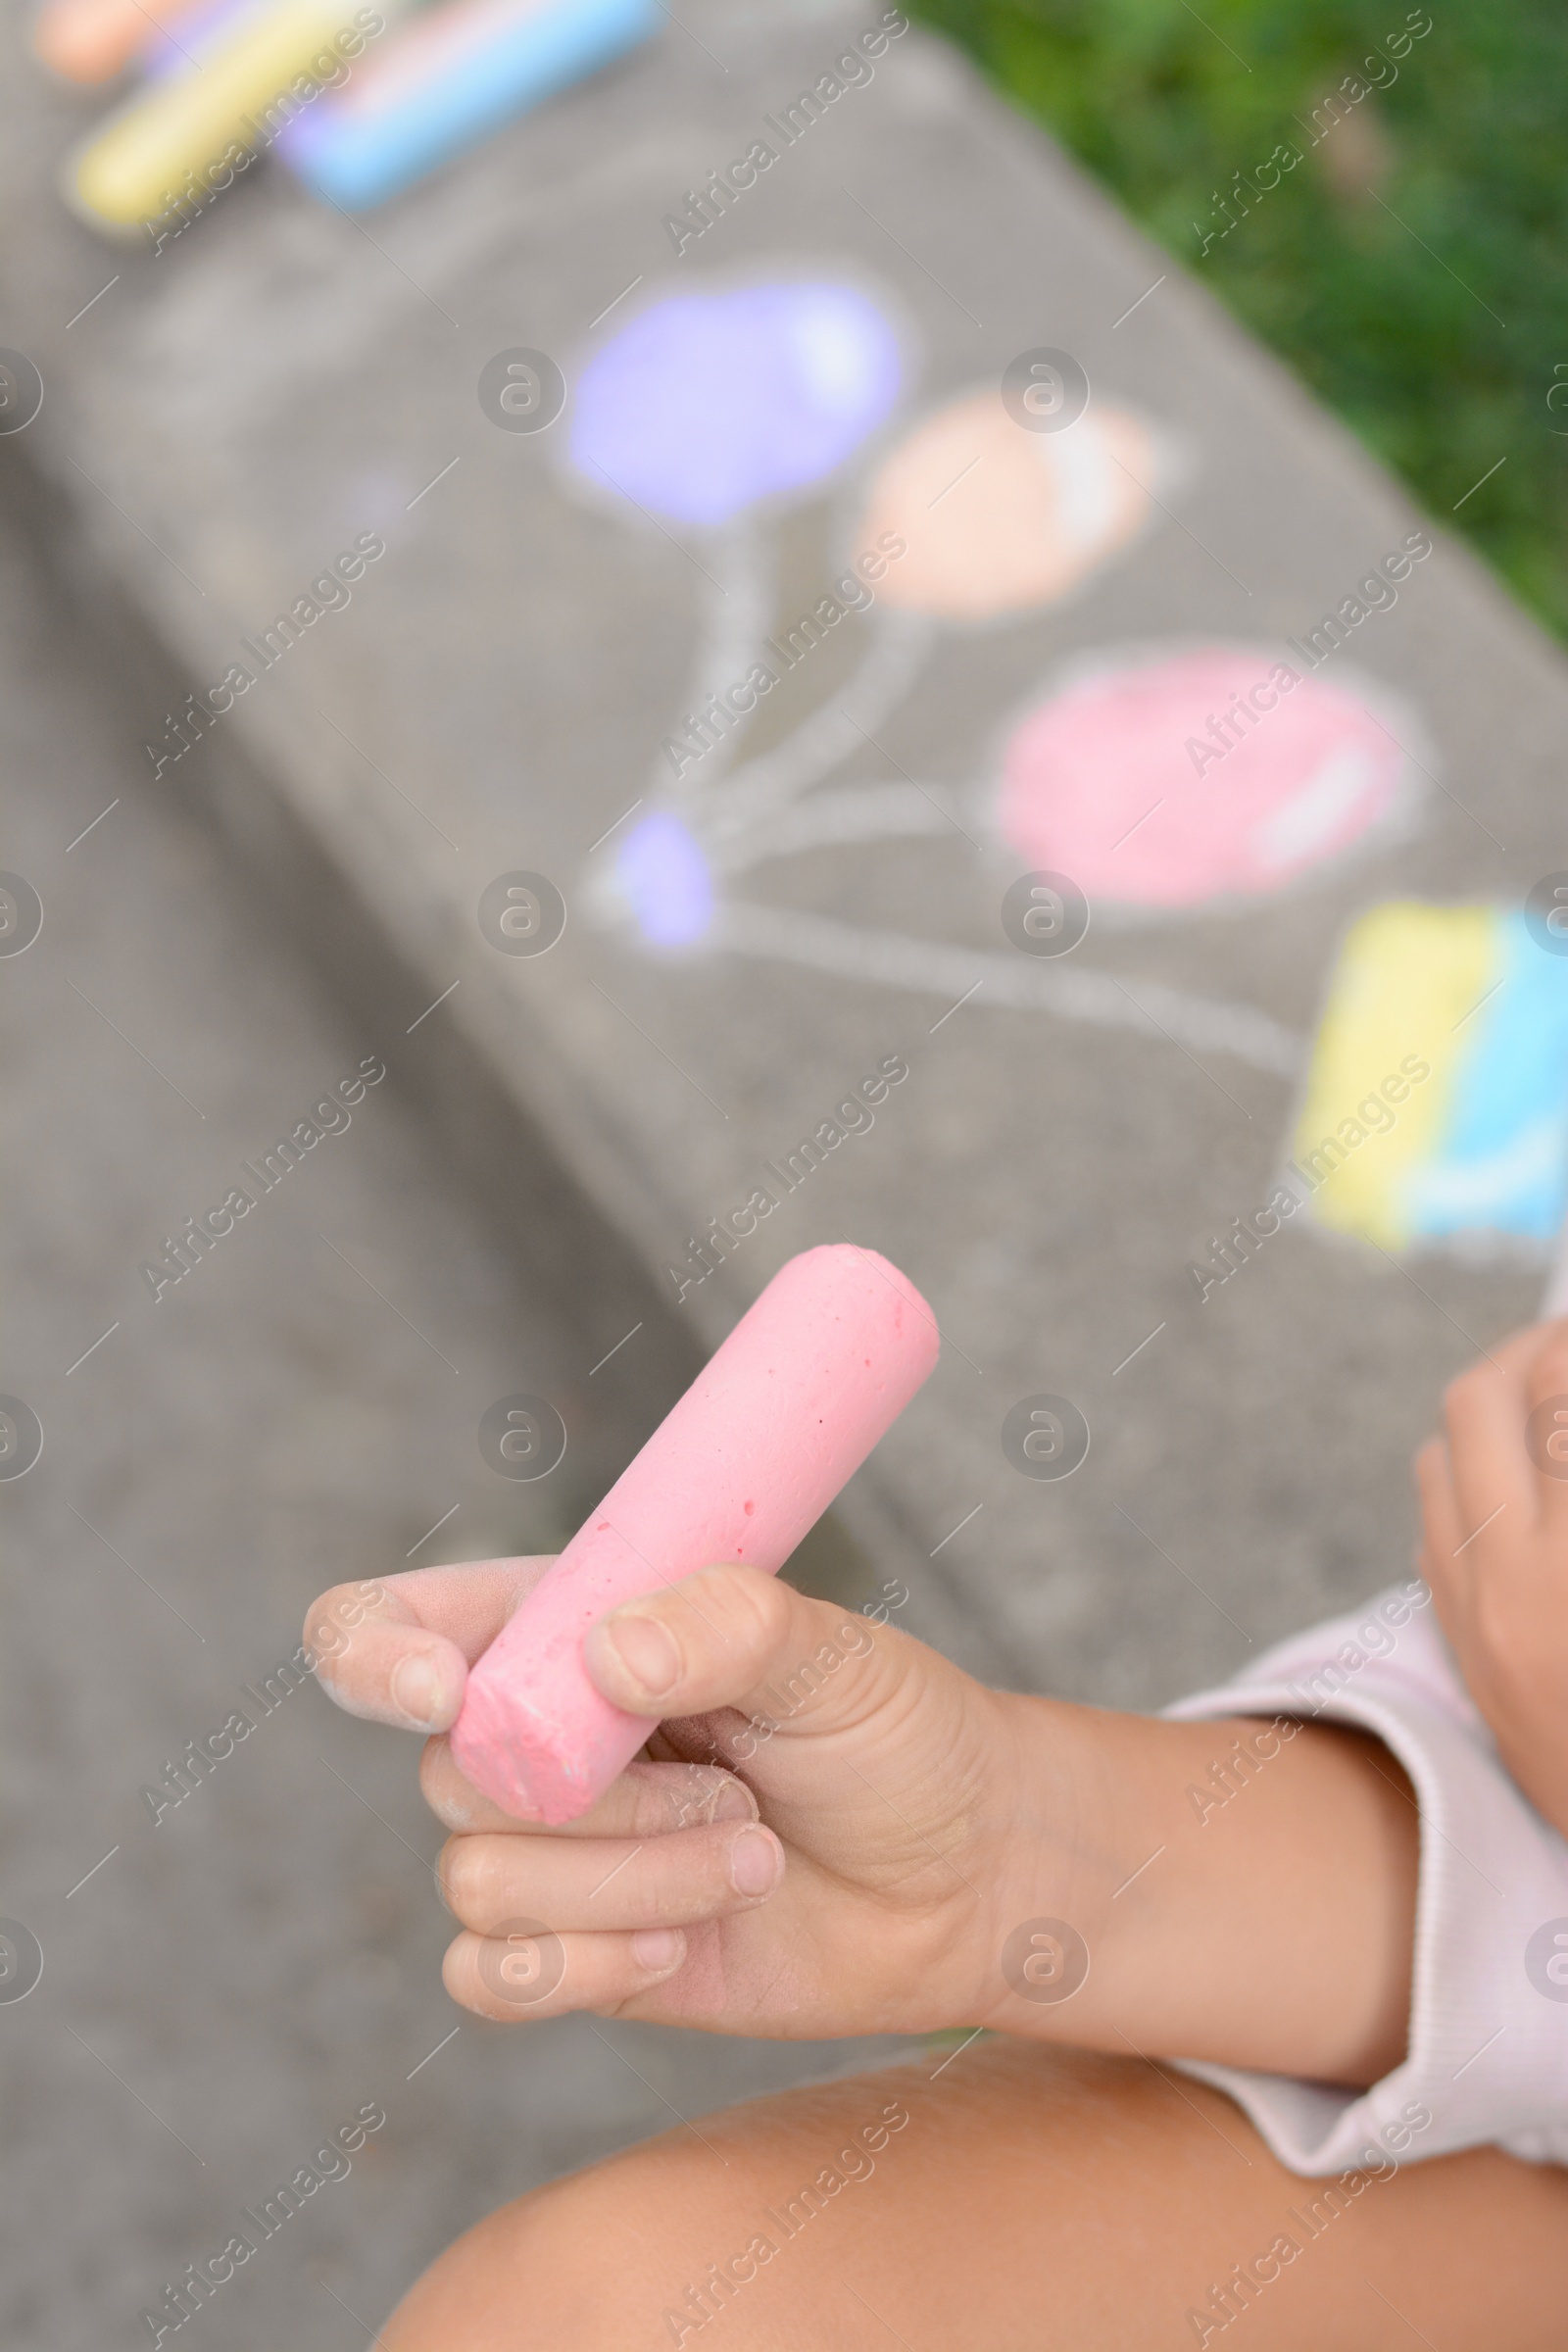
(1204,773)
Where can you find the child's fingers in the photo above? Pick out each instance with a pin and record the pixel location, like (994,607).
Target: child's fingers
(532,1973)
(398,1649)
(648,1800)
(1443,1563)
(1493,1483)
(721,1637)
(609,1882)
(1547,1426)
(394,1674)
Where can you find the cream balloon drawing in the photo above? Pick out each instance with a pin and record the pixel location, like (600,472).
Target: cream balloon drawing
(1162,779)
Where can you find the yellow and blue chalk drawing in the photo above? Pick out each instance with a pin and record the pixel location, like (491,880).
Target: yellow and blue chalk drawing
(1436,1110)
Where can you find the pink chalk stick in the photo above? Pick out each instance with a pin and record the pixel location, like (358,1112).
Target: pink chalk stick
(749,1459)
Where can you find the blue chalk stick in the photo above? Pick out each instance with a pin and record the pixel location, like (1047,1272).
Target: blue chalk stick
(447,79)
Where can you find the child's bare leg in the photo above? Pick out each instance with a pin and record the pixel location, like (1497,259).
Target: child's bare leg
(1033,2198)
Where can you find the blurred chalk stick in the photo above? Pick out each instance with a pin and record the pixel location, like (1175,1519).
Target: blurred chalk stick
(194,128)
(449,79)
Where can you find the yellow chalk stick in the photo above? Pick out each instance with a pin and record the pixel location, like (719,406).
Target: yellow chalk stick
(234,100)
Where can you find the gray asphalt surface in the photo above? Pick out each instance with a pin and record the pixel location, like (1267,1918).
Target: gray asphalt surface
(223,1988)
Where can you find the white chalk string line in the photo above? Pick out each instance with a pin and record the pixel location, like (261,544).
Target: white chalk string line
(738,606)
(899,650)
(859,812)
(1072,992)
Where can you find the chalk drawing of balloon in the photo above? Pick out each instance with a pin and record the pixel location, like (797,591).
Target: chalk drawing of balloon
(708,405)
(998,519)
(1205,774)
(1161,780)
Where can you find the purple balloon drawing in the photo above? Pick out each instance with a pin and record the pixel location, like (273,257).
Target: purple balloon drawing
(708,404)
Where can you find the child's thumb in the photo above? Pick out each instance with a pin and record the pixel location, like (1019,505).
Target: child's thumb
(725,1637)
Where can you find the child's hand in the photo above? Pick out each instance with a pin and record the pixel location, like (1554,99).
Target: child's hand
(835,1832)
(865,1904)
(1495,1551)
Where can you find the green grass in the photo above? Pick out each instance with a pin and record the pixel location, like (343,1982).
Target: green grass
(1412,267)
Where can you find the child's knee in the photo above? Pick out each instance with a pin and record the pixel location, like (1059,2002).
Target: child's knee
(586,2265)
